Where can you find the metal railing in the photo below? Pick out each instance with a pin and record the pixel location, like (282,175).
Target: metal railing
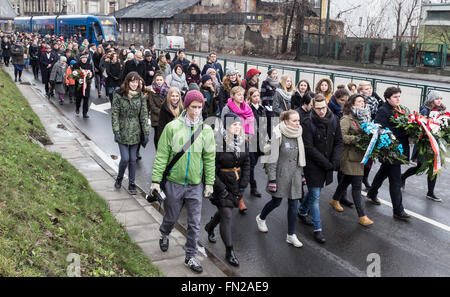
(414,94)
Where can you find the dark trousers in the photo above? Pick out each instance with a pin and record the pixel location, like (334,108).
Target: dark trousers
(253,161)
(341,189)
(128,159)
(6,60)
(155,138)
(223,216)
(85,99)
(291,214)
(35,66)
(17,73)
(393,172)
(413,170)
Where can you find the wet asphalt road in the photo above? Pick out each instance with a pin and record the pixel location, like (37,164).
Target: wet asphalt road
(414,248)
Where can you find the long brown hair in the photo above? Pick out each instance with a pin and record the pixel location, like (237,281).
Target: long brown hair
(330,87)
(125,86)
(227,82)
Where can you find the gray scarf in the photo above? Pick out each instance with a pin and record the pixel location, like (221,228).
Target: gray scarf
(232,146)
(274,83)
(362,114)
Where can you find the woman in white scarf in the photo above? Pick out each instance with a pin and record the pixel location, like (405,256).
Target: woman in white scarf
(285,172)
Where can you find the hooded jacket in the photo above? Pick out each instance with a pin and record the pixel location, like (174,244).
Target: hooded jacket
(174,80)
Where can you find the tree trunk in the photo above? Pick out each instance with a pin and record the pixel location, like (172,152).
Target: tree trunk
(288,29)
(301,14)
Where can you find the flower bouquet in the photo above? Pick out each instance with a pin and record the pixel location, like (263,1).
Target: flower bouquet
(431,136)
(83,78)
(379,143)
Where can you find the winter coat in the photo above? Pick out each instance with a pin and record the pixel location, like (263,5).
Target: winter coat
(58,72)
(226,180)
(174,80)
(258,113)
(281,102)
(165,116)
(323,147)
(34,53)
(297,99)
(6,47)
(351,156)
(155,102)
(210,103)
(149,66)
(267,93)
(45,61)
(216,66)
(303,114)
(130,66)
(285,170)
(96,57)
(128,117)
(224,94)
(383,117)
(113,74)
(70,81)
(184,64)
(335,107)
(193,79)
(17,52)
(199,160)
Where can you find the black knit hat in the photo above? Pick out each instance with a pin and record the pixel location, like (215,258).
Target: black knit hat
(230,118)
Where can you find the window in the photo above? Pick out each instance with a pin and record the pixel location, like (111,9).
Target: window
(316,3)
(112,7)
(162,29)
(180,28)
(192,28)
(168,29)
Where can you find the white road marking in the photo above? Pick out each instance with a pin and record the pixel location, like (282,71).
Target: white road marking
(416,215)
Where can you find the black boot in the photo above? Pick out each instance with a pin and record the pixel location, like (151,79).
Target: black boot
(132,189)
(254,192)
(231,257)
(209,227)
(118,183)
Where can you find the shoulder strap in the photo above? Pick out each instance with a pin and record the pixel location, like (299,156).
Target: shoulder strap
(186,146)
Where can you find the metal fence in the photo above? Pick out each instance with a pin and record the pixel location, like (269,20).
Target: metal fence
(413,94)
(377,51)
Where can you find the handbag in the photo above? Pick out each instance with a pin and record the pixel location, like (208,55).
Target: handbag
(177,157)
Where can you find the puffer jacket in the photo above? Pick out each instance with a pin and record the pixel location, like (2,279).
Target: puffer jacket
(228,180)
(128,116)
(351,156)
(199,159)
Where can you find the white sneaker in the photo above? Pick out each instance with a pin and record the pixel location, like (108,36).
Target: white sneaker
(292,239)
(261,224)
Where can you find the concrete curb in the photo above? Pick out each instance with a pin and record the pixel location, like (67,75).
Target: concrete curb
(134,212)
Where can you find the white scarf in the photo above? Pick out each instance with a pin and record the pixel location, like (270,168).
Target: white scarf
(289,132)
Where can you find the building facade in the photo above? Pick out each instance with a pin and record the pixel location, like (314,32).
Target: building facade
(227,26)
(53,7)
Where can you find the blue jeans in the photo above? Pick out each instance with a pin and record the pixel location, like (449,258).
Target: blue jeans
(311,203)
(292,212)
(128,159)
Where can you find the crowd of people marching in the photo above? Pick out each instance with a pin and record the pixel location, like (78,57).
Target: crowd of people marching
(301,134)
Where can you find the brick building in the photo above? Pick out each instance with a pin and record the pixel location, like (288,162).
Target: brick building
(227,26)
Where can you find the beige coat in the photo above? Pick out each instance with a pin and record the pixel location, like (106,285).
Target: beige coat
(351,156)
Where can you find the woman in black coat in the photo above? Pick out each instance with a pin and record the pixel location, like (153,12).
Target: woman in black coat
(6,47)
(171,109)
(259,112)
(232,177)
(113,72)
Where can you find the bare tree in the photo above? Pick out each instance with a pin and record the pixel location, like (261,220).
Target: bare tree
(287,26)
(303,10)
(405,12)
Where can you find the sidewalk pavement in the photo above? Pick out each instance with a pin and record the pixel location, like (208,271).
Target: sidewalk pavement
(141,219)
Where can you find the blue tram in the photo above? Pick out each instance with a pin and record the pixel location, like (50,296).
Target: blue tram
(93,28)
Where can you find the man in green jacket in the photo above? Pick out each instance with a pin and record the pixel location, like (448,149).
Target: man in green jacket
(184,183)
